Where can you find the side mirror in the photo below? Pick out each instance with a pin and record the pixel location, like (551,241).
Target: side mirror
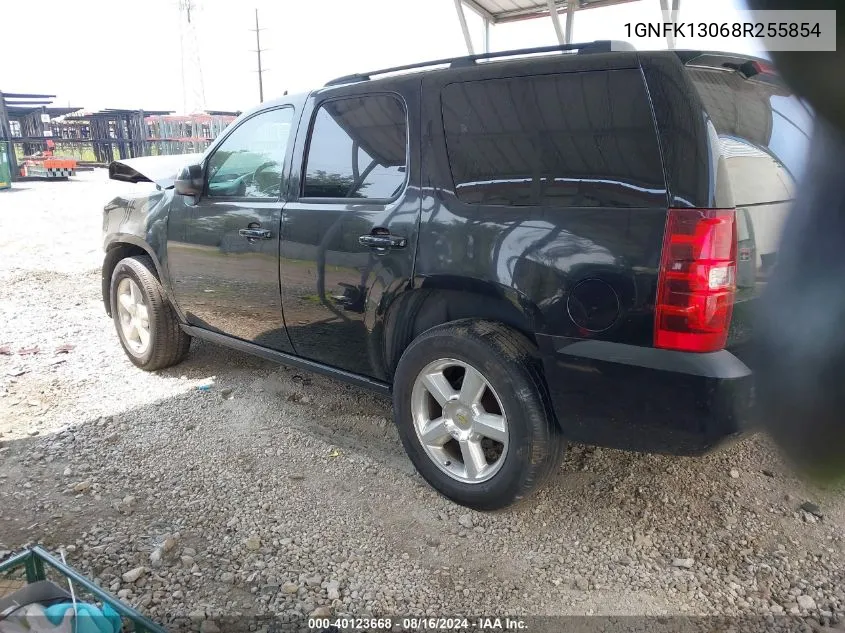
(190,181)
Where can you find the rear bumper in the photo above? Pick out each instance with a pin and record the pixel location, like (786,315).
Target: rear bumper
(646,399)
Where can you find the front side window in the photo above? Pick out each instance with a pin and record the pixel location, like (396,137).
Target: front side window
(249,163)
(358,149)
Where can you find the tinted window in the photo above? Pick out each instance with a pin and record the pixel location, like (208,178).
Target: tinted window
(357,149)
(249,162)
(578,139)
(764,133)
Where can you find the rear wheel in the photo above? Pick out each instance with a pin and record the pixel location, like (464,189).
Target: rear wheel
(470,402)
(145,321)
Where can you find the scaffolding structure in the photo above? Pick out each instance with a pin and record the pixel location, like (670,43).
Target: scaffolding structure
(30,123)
(25,122)
(112,133)
(169,134)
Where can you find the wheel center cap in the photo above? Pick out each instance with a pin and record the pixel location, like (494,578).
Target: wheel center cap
(458,420)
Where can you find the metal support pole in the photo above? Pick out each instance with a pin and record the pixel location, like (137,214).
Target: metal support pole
(6,135)
(670,16)
(459,7)
(570,19)
(561,38)
(486,35)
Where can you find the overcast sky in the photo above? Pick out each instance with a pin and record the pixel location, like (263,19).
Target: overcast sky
(103,53)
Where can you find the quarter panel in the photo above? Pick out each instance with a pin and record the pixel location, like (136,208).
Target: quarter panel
(688,140)
(542,252)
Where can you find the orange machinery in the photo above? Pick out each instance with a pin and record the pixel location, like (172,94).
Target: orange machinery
(45,165)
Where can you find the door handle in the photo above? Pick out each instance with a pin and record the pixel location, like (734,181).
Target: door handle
(255,234)
(383,241)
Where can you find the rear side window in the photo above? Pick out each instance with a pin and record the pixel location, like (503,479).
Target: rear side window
(357,149)
(582,139)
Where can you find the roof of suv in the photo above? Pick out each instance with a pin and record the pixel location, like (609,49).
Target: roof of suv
(597,55)
(504,60)
(468,61)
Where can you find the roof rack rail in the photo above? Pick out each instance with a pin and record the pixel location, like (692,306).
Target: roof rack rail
(598,46)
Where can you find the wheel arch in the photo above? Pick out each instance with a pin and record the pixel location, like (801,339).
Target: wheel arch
(125,246)
(434,301)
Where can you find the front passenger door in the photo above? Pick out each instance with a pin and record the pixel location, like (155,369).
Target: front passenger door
(223,250)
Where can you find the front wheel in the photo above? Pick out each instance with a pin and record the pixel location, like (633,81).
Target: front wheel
(146,323)
(470,402)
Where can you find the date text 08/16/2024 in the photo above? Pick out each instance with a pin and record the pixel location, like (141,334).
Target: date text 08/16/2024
(456,624)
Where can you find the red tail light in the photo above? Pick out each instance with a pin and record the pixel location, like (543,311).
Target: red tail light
(697,280)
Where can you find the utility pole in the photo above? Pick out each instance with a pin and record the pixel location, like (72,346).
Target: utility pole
(258,51)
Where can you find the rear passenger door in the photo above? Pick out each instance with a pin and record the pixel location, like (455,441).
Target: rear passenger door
(349,230)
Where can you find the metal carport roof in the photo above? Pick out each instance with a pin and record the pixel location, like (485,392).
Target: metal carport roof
(500,11)
(503,11)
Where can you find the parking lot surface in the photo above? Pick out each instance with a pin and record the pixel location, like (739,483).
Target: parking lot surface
(229,485)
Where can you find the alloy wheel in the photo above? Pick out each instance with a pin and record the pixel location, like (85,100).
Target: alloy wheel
(133,315)
(459,420)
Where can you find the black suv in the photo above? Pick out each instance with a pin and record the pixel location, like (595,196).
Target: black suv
(563,243)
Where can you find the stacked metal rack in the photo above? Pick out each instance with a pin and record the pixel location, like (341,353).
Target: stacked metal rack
(170,134)
(31,124)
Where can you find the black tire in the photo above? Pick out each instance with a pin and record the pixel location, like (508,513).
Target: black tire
(511,366)
(168,343)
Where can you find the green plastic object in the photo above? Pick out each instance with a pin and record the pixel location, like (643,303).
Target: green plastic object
(5,166)
(35,559)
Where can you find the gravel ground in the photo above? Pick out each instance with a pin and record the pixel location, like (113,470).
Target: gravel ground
(280,492)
